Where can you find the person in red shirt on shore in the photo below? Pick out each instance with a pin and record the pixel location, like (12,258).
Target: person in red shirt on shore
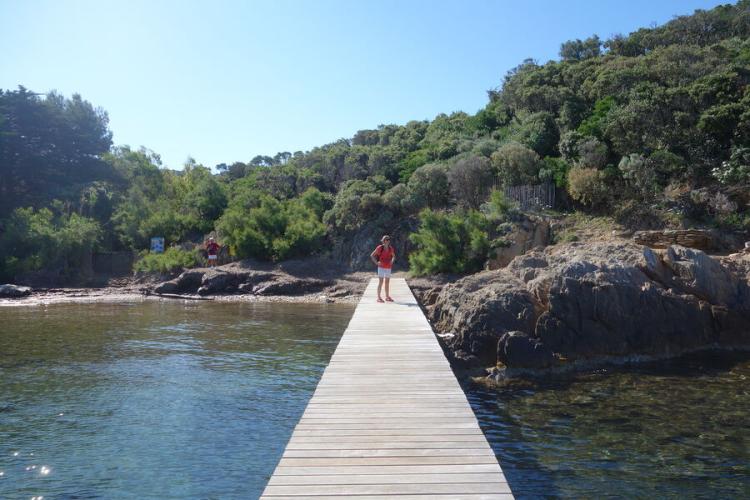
(383,257)
(212,248)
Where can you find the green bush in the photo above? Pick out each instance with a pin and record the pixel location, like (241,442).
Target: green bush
(499,207)
(36,240)
(453,243)
(173,259)
(516,164)
(356,202)
(275,230)
(539,132)
(412,162)
(555,170)
(428,186)
(587,186)
(736,170)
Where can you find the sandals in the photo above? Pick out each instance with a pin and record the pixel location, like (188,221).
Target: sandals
(380,300)
(388,299)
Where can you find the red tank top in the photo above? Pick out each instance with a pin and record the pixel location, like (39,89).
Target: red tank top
(385,256)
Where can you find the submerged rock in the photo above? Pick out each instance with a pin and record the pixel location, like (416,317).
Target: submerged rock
(14,291)
(589,302)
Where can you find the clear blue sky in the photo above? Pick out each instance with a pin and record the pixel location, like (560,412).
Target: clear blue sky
(223,81)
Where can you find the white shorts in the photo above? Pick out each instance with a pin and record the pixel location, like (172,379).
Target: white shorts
(383,272)
(212,257)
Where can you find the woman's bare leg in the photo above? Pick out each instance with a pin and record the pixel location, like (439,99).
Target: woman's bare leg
(387,288)
(380,286)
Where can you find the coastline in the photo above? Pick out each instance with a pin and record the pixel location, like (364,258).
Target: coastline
(341,288)
(115,294)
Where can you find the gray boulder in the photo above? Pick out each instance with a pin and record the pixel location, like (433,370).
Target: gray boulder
(14,291)
(187,282)
(290,286)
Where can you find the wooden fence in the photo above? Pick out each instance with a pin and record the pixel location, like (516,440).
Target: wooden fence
(532,196)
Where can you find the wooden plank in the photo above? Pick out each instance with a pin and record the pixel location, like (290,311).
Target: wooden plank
(475,477)
(386,469)
(362,453)
(485,458)
(388,489)
(388,418)
(476,496)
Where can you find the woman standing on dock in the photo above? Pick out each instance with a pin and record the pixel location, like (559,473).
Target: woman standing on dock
(383,257)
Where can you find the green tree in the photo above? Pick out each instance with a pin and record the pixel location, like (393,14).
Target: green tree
(35,240)
(471,180)
(449,243)
(516,164)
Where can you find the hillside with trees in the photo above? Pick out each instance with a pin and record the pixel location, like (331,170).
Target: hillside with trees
(651,129)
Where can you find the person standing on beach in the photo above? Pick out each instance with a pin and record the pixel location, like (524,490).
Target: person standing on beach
(383,257)
(212,248)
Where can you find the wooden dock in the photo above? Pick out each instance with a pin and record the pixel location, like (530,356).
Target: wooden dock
(388,418)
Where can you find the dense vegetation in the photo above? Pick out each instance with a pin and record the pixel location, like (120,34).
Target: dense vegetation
(653,127)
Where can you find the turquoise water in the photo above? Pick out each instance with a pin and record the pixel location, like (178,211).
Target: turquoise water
(155,399)
(198,400)
(677,429)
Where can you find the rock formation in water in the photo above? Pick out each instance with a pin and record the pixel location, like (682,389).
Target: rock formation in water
(14,291)
(590,303)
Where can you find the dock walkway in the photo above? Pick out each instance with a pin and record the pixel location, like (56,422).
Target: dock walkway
(388,418)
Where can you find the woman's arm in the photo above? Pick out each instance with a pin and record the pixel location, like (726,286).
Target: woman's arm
(374,256)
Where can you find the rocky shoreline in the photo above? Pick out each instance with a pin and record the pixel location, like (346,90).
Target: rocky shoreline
(577,306)
(308,281)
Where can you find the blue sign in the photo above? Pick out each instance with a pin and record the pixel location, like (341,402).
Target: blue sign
(157,244)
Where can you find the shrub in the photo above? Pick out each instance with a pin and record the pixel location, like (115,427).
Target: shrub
(596,123)
(36,240)
(499,207)
(639,173)
(173,259)
(485,147)
(587,186)
(539,132)
(471,181)
(412,162)
(316,201)
(592,153)
(446,242)
(736,170)
(356,202)
(555,170)
(275,230)
(569,142)
(516,164)
(397,199)
(428,186)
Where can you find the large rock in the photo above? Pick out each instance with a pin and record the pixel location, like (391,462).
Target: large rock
(595,302)
(14,291)
(527,234)
(222,281)
(518,349)
(187,282)
(290,286)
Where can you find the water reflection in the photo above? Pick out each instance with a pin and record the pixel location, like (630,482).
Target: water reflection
(158,400)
